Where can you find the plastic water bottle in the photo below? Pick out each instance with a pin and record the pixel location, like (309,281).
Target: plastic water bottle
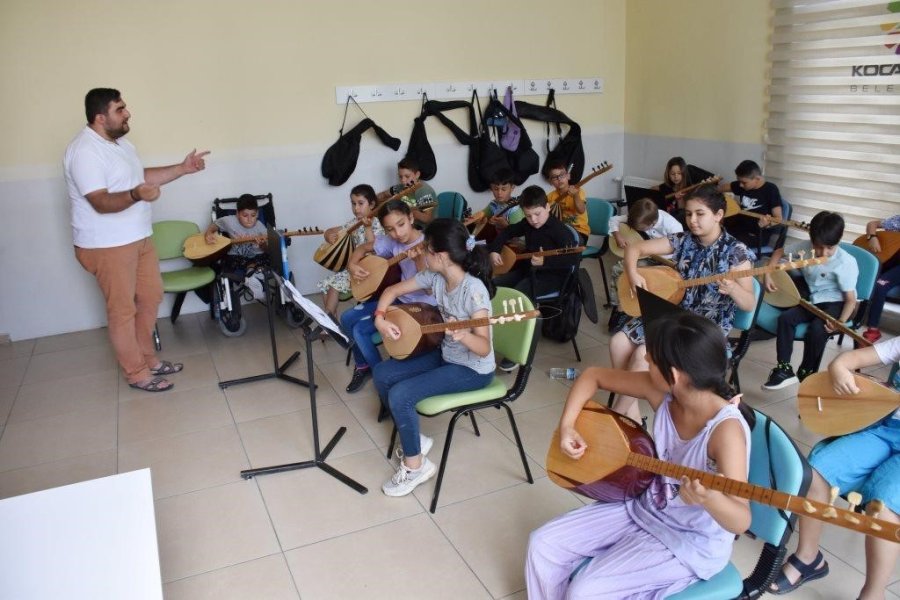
(560,373)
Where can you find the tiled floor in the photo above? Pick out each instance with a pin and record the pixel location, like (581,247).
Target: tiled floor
(66,416)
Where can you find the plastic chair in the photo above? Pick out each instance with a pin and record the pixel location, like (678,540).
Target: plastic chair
(450,205)
(767,320)
(568,287)
(168,239)
(744,320)
(516,341)
(599,212)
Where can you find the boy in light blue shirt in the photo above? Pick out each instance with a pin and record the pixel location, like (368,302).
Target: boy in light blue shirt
(832,288)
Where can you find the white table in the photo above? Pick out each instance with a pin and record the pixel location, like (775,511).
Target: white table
(94,540)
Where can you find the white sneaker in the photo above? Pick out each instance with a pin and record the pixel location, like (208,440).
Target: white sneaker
(405,479)
(256,287)
(425,443)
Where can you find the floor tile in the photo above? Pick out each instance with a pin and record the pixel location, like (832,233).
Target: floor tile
(69,363)
(168,414)
(365,565)
(271,397)
(61,396)
(506,517)
(309,505)
(15,349)
(267,578)
(53,438)
(211,529)
(54,474)
(188,462)
(288,438)
(76,339)
(7,399)
(12,371)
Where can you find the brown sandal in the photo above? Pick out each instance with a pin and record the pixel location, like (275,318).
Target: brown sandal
(157,384)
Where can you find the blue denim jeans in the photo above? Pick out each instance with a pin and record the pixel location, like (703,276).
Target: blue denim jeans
(402,383)
(359,326)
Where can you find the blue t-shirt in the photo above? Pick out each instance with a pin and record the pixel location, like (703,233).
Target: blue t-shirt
(829,281)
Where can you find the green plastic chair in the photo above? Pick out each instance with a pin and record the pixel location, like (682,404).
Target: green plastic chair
(516,341)
(168,239)
(450,206)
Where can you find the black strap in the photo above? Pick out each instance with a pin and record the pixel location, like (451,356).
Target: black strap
(347,106)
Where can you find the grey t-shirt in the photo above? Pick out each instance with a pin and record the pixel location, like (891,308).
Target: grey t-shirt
(229,224)
(461,303)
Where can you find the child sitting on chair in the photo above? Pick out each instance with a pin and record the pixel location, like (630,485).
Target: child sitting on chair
(754,194)
(498,212)
(645,218)
(571,199)
(832,288)
(243,258)
(409,174)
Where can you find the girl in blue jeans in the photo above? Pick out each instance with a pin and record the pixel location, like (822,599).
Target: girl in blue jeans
(459,275)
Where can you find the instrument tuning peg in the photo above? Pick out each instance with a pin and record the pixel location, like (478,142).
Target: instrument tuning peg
(791,257)
(802,254)
(873,509)
(854,498)
(521,309)
(830,512)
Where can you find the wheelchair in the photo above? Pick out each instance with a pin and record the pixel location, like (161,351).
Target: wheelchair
(234,280)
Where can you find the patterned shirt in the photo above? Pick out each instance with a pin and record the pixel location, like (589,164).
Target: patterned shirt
(891,223)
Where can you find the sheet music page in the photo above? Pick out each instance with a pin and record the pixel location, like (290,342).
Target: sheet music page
(310,308)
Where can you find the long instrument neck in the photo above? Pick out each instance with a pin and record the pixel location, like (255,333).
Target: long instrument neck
(250,239)
(837,324)
(775,221)
(403,255)
(691,188)
(554,252)
(761,495)
(480,322)
(727,275)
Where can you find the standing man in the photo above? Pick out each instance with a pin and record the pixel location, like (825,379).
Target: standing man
(111,194)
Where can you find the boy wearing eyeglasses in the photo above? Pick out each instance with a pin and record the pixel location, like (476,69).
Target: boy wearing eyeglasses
(571,199)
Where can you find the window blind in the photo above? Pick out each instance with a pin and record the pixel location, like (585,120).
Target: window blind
(833,126)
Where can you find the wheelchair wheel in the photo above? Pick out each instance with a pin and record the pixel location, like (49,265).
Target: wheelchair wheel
(231,322)
(293,317)
(232,325)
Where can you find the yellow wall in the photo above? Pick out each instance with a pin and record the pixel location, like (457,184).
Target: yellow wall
(697,68)
(231,74)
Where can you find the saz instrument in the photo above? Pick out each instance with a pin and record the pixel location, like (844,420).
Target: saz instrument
(620,456)
(422,328)
(732,208)
(787,295)
(510,258)
(691,188)
(383,273)
(827,413)
(889,241)
(334,256)
(633,236)
(484,229)
(666,283)
(556,208)
(199,252)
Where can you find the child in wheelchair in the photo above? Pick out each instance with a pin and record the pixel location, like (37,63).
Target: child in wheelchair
(240,273)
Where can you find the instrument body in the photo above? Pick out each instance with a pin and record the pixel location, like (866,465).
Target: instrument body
(510,257)
(827,413)
(487,231)
(667,283)
(556,207)
(382,274)
(889,241)
(422,328)
(335,256)
(631,236)
(609,453)
(199,252)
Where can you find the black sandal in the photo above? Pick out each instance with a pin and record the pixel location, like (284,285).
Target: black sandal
(157,384)
(808,572)
(167,368)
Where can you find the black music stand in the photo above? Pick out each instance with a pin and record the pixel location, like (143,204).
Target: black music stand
(277,264)
(314,322)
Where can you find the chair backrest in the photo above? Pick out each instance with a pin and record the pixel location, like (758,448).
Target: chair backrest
(868,270)
(744,319)
(450,205)
(775,462)
(168,237)
(599,212)
(786,209)
(513,340)
(228,206)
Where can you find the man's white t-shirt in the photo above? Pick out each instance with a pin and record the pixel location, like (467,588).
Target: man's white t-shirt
(93,163)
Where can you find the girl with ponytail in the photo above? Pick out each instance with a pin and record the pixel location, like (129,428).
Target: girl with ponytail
(677,531)
(458,273)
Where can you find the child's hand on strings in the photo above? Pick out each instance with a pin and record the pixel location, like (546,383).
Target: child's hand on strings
(331,234)
(211,237)
(571,442)
(842,380)
(538,261)
(387,329)
(727,286)
(495,259)
(693,492)
(769,283)
(357,272)
(458,334)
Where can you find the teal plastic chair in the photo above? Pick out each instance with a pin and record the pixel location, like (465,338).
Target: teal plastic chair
(868,272)
(168,239)
(744,320)
(450,206)
(775,462)
(599,212)
(516,341)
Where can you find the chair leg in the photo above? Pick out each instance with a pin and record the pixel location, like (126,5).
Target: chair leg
(474,424)
(176,308)
(512,422)
(393,441)
(605,283)
(444,455)
(157,343)
(382,412)
(575,346)
(349,354)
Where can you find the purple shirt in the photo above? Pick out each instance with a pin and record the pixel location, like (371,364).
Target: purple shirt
(387,247)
